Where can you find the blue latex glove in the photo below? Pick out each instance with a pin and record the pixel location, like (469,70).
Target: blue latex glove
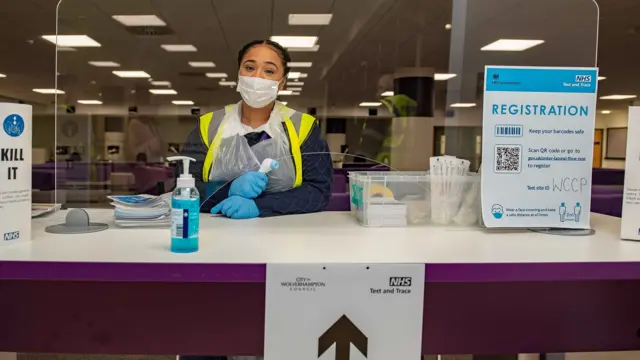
(249,185)
(237,207)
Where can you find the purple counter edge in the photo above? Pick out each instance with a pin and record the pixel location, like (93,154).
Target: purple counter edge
(252,273)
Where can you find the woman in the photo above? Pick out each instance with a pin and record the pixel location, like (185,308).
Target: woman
(230,144)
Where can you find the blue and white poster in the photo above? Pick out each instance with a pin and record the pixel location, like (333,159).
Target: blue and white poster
(15,173)
(537,146)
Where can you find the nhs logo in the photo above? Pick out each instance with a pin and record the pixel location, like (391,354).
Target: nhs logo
(583,78)
(15,235)
(399,281)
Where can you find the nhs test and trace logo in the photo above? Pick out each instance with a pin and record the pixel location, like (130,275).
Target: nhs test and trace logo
(583,78)
(14,235)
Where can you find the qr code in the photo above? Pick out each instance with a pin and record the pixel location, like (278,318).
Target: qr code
(508,159)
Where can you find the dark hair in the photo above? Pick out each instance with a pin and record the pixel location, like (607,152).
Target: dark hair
(141,157)
(282,52)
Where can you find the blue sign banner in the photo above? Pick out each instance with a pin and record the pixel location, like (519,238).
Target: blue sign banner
(514,79)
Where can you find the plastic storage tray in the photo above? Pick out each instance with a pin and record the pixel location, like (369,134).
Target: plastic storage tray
(411,198)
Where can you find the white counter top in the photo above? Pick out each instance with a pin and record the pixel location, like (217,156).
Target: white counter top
(329,237)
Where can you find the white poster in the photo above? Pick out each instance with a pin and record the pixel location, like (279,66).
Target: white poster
(344,312)
(15,172)
(630,228)
(537,146)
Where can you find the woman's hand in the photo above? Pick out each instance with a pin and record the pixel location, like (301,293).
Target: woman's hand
(249,185)
(237,207)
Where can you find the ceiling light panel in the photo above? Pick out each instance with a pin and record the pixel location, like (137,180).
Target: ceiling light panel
(139,20)
(3,76)
(132,74)
(297,75)
(300,64)
(90,102)
(217,75)
(163,91)
(183,102)
(285,92)
(303,49)
(202,64)
(618,97)
(295,88)
(463,105)
(296,41)
(179,47)
(48,91)
(295,83)
(387,93)
(227,83)
(511,45)
(161,83)
(104,63)
(443,77)
(310,19)
(370,104)
(72,40)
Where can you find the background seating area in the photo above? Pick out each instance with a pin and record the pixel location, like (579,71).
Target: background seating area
(82,182)
(92,182)
(607,191)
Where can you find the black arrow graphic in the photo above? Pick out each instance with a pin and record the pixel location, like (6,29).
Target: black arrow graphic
(343,333)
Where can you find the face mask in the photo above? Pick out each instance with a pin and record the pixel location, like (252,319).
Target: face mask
(257,92)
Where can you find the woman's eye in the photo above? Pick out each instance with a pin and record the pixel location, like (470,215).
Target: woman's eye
(248,67)
(270,72)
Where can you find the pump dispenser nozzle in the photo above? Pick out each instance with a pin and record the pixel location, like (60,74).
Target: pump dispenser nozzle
(185,179)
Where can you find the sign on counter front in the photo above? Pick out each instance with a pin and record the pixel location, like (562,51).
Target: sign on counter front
(344,312)
(630,228)
(537,146)
(15,172)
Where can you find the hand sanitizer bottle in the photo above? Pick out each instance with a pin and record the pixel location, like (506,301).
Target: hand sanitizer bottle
(185,211)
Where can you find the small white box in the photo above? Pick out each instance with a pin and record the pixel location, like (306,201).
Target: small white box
(630,229)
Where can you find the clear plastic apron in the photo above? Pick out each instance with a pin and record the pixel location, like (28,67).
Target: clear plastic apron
(234,156)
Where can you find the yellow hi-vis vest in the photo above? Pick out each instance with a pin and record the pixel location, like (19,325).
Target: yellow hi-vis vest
(298,126)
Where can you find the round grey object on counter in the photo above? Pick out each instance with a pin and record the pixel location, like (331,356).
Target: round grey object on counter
(76,222)
(565,232)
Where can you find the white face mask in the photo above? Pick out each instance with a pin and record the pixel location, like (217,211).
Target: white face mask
(257,92)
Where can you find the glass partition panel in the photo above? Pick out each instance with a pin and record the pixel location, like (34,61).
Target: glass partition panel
(26,65)
(390,82)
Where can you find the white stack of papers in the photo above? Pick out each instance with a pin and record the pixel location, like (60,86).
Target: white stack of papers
(38,210)
(385,212)
(142,210)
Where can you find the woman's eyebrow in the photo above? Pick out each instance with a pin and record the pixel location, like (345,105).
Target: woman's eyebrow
(266,62)
(271,63)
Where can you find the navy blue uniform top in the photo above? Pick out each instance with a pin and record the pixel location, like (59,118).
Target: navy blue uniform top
(311,196)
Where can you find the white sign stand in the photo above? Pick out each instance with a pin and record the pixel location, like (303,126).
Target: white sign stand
(630,228)
(344,312)
(537,146)
(15,172)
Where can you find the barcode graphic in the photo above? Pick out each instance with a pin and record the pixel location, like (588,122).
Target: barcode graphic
(509,130)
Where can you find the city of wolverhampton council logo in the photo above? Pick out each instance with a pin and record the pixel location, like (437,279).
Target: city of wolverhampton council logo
(13,125)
